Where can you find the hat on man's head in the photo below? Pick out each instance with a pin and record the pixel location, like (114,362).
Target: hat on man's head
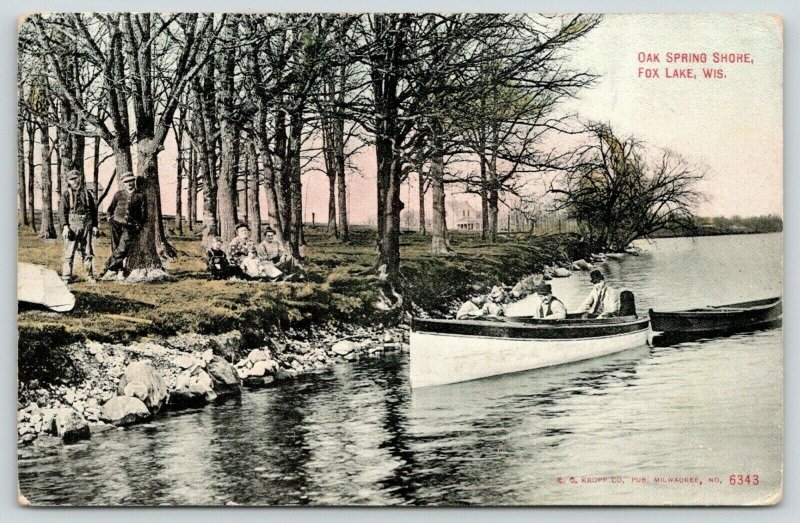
(269,230)
(242,225)
(544,289)
(73,174)
(127,177)
(596,275)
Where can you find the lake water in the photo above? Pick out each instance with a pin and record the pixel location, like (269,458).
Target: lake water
(358,435)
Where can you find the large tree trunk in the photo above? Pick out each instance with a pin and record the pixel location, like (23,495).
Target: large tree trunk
(493,199)
(439,240)
(270,186)
(390,240)
(226,185)
(484,199)
(245,192)
(383,153)
(179,191)
(253,195)
(96,168)
(191,189)
(47,229)
(283,174)
(151,245)
(31,174)
(331,227)
(59,173)
(295,182)
(206,177)
(341,194)
(328,147)
(421,188)
(21,189)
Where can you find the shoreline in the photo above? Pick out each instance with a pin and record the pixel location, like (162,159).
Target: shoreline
(73,383)
(44,411)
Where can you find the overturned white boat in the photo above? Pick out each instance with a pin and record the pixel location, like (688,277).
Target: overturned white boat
(42,286)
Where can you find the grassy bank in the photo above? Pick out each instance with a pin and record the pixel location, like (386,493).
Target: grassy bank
(341,287)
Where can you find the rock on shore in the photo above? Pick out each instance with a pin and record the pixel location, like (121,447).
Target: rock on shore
(141,380)
(124,410)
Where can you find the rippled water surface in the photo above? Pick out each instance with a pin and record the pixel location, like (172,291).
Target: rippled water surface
(358,435)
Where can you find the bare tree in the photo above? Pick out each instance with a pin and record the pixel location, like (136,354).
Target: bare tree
(621,190)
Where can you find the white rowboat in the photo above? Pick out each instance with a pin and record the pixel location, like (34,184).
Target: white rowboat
(452,351)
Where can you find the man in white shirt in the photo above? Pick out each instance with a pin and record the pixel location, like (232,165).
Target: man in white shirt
(603,300)
(471,308)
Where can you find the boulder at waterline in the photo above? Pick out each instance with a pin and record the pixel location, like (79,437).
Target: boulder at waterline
(262,368)
(225,379)
(193,388)
(70,426)
(124,410)
(144,372)
(344,347)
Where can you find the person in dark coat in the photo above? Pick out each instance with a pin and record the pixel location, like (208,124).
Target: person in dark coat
(77,213)
(218,264)
(126,214)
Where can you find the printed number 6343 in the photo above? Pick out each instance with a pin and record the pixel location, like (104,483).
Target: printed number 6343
(743,479)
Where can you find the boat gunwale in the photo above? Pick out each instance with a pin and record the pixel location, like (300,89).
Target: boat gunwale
(555,324)
(543,340)
(722,310)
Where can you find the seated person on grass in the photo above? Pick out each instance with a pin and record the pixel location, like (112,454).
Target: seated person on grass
(240,244)
(256,269)
(275,253)
(218,264)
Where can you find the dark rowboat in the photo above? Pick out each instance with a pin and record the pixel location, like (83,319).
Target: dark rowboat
(451,351)
(718,320)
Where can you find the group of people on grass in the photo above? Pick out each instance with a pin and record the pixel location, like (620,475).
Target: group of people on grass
(603,300)
(78,216)
(270,260)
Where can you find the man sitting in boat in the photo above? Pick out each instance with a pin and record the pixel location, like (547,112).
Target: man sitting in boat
(472,308)
(550,308)
(603,300)
(494,306)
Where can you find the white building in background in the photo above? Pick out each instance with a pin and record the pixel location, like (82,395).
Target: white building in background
(463,216)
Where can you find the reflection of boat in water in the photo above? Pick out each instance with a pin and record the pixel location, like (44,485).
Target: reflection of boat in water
(452,351)
(719,319)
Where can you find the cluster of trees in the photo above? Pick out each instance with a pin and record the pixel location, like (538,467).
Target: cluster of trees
(620,189)
(254,100)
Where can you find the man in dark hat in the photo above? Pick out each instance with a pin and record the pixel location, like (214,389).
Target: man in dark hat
(77,213)
(126,214)
(603,300)
(240,245)
(550,308)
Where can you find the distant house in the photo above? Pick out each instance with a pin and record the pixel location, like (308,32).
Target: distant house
(463,216)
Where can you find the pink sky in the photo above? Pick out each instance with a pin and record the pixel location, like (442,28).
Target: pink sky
(732,125)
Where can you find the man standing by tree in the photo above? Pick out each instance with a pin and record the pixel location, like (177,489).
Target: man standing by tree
(126,214)
(77,213)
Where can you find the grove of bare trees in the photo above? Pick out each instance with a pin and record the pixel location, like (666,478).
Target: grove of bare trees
(256,101)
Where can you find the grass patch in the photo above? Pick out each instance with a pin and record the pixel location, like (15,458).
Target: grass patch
(340,288)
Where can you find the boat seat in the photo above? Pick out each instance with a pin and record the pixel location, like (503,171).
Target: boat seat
(627,304)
